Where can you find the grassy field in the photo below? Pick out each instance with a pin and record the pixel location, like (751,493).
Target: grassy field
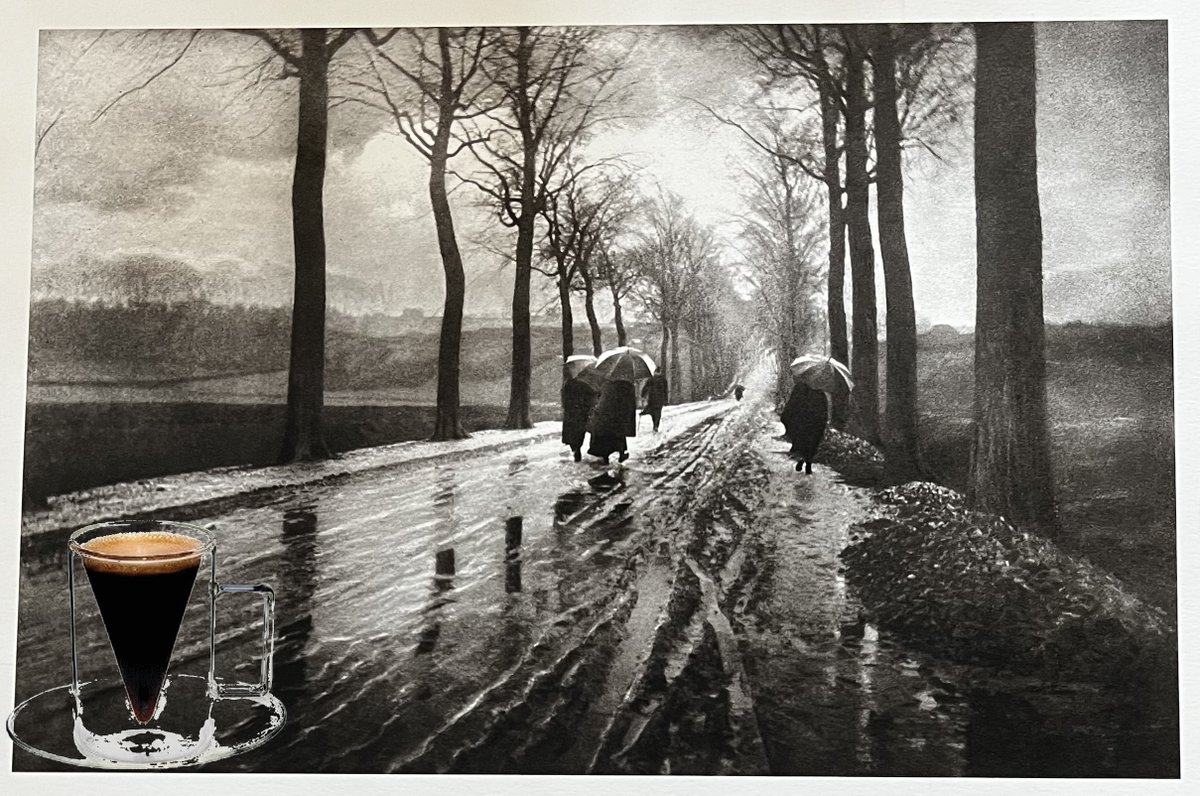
(91,422)
(1111,409)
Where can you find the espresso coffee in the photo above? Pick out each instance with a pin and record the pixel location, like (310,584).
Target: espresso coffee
(142,582)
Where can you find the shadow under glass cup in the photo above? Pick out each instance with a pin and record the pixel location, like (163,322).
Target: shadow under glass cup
(149,607)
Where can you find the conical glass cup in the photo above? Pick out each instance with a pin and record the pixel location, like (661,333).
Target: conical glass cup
(143,618)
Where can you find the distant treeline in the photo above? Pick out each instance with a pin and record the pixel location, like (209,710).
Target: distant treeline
(76,341)
(185,338)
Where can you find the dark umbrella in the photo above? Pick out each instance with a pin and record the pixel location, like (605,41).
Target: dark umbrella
(821,373)
(625,364)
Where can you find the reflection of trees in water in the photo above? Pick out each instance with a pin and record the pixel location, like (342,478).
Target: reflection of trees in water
(294,602)
(512,554)
(443,582)
(517,604)
(444,566)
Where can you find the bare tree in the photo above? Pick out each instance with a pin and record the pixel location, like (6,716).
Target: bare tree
(598,218)
(442,68)
(815,55)
(1011,472)
(554,88)
(616,270)
(864,347)
(573,219)
(673,250)
(901,445)
(304,55)
(918,80)
(717,323)
(560,247)
(781,241)
(928,96)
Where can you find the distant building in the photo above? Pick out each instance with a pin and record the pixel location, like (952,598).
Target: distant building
(412,314)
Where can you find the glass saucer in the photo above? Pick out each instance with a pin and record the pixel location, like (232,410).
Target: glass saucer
(44,725)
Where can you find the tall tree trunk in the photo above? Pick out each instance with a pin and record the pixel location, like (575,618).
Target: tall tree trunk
(447,424)
(901,446)
(518,396)
(664,349)
(618,321)
(839,348)
(783,377)
(674,384)
(589,307)
(1010,460)
(864,400)
(793,268)
(302,437)
(568,317)
(695,382)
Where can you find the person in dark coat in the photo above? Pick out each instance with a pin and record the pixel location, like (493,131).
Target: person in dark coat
(578,398)
(804,418)
(613,419)
(655,393)
(738,390)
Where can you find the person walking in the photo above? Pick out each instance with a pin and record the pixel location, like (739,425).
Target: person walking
(804,417)
(613,419)
(655,393)
(578,399)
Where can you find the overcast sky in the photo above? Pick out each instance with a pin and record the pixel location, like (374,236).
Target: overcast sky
(194,173)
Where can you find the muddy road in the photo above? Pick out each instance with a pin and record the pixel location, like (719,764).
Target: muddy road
(512,611)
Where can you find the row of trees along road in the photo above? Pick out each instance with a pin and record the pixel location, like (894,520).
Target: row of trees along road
(865,90)
(867,93)
(523,101)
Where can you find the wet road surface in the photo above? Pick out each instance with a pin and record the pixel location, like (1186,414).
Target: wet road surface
(835,695)
(421,609)
(513,611)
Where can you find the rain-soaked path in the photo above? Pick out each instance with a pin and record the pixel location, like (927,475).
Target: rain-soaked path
(421,608)
(835,695)
(513,611)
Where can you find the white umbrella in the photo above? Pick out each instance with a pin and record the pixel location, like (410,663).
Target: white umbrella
(821,373)
(625,364)
(577,364)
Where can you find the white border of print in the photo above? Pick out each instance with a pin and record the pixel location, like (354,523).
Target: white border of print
(21,19)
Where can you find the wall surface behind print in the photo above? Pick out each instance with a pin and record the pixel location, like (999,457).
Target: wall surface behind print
(16,172)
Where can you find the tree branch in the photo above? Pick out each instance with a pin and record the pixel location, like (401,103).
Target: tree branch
(187,45)
(277,46)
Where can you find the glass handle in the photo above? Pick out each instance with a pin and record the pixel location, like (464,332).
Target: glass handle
(263,686)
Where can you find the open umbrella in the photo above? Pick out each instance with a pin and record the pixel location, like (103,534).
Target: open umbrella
(625,364)
(576,364)
(821,373)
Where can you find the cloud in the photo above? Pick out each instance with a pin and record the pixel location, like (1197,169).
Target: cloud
(136,154)
(196,168)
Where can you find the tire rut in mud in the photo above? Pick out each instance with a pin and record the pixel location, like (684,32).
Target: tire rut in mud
(688,711)
(645,679)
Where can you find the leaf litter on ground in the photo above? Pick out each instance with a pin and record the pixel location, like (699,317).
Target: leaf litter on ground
(970,587)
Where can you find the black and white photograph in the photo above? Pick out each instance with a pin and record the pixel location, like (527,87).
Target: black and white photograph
(792,396)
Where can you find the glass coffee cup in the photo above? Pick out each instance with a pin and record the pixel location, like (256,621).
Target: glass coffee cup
(143,597)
